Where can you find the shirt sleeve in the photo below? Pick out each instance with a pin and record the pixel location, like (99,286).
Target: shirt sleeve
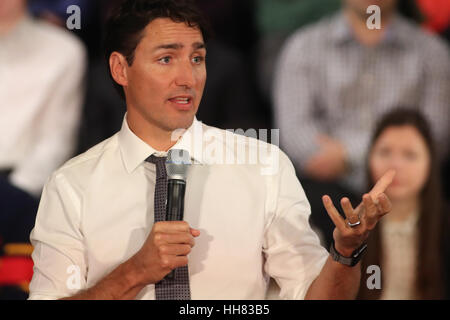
(292,250)
(59,254)
(57,125)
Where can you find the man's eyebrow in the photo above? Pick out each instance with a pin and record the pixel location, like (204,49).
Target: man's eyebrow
(177,46)
(174,46)
(199,45)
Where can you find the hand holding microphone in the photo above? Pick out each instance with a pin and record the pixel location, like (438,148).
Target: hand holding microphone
(170,241)
(177,166)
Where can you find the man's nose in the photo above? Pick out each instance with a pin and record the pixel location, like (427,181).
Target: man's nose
(185,75)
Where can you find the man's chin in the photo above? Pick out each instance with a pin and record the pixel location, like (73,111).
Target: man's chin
(182,122)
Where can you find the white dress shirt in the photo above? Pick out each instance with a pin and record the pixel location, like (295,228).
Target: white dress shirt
(41,73)
(97,211)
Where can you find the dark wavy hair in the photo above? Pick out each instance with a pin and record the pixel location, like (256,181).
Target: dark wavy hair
(430,243)
(128,19)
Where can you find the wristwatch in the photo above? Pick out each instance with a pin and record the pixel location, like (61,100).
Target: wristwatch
(348,261)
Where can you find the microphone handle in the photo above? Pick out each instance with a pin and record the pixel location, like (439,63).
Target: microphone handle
(175,206)
(175,200)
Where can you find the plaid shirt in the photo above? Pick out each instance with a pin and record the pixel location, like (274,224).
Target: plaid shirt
(327,82)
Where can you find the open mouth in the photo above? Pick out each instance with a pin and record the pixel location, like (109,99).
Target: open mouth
(181,100)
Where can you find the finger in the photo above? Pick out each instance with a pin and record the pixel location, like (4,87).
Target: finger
(350,214)
(174,238)
(382,184)
(370,211)
(384,205)
(172,227)
(179,261)
(333,213)
(173,262)
(175,249)
(195,232)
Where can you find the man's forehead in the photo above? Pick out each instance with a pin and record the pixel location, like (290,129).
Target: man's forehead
(165,31)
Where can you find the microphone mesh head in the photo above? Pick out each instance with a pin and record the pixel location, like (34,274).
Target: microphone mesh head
(177,164)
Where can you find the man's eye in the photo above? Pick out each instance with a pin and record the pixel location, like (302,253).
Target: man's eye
(198,59)
(165,60)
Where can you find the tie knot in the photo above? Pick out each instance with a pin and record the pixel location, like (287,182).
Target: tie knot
(156,160)
(160,163)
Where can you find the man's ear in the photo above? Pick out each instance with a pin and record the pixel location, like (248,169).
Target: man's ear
(118,66)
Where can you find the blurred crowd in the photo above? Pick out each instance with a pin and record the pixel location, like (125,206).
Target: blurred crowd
(350,104)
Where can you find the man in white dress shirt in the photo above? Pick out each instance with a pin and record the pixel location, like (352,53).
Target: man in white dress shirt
(95,235)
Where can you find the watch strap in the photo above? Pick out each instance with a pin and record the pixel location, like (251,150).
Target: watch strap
(351,261)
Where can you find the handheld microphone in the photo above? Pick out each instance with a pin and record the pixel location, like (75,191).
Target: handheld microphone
(177,165)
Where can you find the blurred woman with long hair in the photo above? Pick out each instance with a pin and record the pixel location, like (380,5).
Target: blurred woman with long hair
(408,245)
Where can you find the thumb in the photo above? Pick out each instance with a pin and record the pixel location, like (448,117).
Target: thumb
(195,232)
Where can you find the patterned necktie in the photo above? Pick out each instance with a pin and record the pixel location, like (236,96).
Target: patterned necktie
(176,288)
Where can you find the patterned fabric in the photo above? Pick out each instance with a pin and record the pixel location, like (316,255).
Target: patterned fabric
(177,287)
(399,243)
(328,83)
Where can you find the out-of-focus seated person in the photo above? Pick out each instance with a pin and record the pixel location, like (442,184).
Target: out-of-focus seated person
(41,93)
(408,245)
(337,77)
(42,72)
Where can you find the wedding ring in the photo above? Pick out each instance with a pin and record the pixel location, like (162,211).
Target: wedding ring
(352,225)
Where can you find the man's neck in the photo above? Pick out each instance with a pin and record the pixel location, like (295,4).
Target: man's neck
(10,21)
(402,209)
(364,35)
(155,137)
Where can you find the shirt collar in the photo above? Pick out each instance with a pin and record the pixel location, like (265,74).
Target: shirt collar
(135,151)
(398,33)
(395,35)
(341,30)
